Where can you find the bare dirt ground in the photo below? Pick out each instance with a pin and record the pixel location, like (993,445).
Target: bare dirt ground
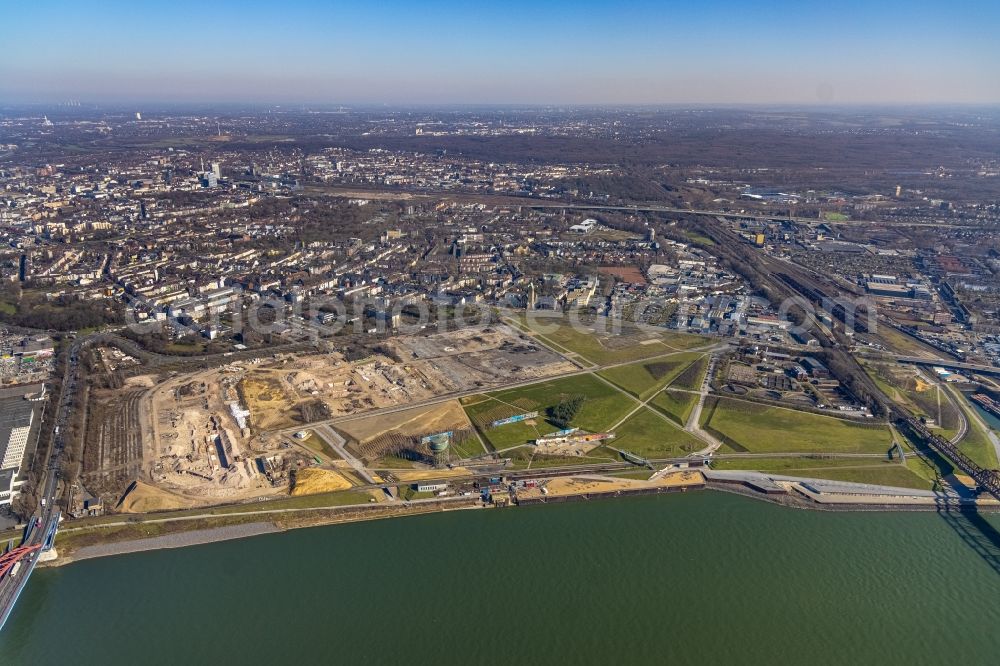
(291,390)
(412,475)
(579,485)
(197,448)
(113,454)
(146,498)
(140,381)
(473,358)
(311,481)
(413,422)
(569,448)
(209,436)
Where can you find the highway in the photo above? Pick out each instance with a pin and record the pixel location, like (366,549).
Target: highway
(41,537)
(950,364)
(531,202)
(743,216)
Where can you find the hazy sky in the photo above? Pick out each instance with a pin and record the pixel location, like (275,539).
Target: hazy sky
(707,51)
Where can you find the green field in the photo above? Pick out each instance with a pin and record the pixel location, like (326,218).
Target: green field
(314,501)
(603,348)
(646,434)
(793,465)
(699,238)
(318,445)
(393,462)
(337,498)
(645,378)
(637,475)
(693,376)
(675,404)
(901,386)
(408,493)
(914,474)
(891,390)
(516,434)
(901,343)
(603,406)
(930,470)
(746,426)
(976,444)
(888,475)
(470,448)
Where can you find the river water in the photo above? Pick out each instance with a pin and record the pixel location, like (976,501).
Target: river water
(991,420)
(698,578)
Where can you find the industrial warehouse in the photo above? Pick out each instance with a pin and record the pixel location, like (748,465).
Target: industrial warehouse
(20,408)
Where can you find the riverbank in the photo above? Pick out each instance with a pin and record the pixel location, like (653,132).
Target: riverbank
(178,540)
(588,582)
(75,544)
(131,536)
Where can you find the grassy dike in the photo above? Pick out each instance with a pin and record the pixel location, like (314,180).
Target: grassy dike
(152,531)
(326,509)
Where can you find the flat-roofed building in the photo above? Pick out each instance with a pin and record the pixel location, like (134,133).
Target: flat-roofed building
(16,417)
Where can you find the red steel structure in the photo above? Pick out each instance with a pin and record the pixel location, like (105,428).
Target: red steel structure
(9,559)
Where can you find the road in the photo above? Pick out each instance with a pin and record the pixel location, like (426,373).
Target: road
(511,475)
(337,442)
(693,424)
(529,202)
(983,425)
(828,485)
(48,515)
(446,397)
(745,216)
(266,512)
(949,364)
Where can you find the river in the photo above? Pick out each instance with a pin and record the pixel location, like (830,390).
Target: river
(991,420)
(704,577)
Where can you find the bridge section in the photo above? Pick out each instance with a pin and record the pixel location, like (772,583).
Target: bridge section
(986,479)
(17,564)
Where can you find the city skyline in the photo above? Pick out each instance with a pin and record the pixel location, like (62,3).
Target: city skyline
(520,53)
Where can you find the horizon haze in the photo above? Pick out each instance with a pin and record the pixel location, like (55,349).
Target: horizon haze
(442,52)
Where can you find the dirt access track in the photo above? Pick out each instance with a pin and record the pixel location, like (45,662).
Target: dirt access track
(214,435)
(299,389)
